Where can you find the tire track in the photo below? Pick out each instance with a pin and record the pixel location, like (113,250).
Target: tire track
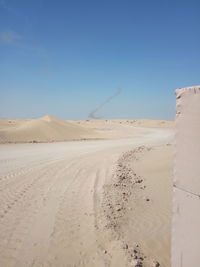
(21,204)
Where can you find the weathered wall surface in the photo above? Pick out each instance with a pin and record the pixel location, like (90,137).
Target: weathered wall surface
(186,197)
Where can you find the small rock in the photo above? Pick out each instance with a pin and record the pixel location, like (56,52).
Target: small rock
(136,263)
(125,246)
(147,199)
(105,251)
(156,264)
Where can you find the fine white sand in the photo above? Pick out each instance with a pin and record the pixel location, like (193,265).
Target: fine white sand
(83,203)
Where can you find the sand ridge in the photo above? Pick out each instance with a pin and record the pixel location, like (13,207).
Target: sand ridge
(132,206)
(45,129)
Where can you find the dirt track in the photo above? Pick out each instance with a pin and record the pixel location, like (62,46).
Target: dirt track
(50,198)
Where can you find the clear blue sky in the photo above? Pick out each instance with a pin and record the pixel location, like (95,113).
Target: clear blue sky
(66,57)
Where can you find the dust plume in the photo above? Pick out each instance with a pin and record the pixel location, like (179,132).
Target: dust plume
(92,114)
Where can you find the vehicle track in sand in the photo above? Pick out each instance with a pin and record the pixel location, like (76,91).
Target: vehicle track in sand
(50,201)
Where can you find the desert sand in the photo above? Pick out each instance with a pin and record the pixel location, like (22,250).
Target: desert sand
(45,129)
(52,129)
(102,202)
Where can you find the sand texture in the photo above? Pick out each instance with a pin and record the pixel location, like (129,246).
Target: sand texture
(95,203)
(51,129)
(45,129)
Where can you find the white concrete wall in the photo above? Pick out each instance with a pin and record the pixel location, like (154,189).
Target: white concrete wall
(186,197)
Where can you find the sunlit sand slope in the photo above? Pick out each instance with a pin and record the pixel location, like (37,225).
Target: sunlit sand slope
(45,129)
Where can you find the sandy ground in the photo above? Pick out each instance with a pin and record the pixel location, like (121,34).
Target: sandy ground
(52,129)
(44,129)
(60,205)
(138,205)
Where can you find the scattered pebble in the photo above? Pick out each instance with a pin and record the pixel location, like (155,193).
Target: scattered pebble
(125,246)
(136,263)
(118,209)
(156,264)
(125,180)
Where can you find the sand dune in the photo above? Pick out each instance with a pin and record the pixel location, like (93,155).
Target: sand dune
(45,129)
(51,129)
